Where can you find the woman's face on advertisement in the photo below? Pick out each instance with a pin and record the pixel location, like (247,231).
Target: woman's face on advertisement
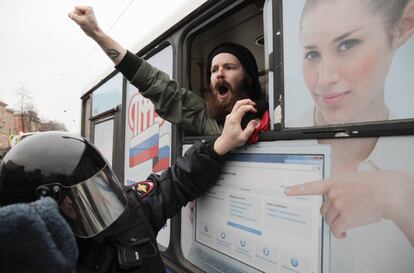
(346,57)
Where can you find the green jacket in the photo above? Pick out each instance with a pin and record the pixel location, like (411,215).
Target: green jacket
(177,105)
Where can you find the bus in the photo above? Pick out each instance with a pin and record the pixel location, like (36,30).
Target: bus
(334,113)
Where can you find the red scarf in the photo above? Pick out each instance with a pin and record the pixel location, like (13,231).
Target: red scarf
(264,126)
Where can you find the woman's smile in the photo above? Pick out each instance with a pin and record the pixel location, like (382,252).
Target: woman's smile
(333,98)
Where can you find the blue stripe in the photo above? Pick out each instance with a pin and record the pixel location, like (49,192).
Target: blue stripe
(251,230)
(276,158)
(164,152)
(146,144)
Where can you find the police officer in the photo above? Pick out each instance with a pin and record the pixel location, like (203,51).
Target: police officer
(116,227)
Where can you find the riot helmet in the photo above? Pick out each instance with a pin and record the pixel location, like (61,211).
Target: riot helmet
(69,169)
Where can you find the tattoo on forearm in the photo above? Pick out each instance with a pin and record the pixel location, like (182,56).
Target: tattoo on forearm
(112,53)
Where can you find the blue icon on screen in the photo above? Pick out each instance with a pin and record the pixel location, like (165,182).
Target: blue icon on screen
(266,251)
(206,228)
(294,262)
(223,235)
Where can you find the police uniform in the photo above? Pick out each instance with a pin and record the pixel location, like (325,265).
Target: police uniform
(129,244)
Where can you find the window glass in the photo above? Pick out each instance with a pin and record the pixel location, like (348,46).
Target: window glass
(108,95)
(347,62)
(103,138)
(147,136)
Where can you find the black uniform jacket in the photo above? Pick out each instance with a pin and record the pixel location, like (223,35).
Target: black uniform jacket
(129,245)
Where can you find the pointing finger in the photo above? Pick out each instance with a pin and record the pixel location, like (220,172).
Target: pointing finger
(310,188)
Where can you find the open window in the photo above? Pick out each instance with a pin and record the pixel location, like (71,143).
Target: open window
(244,27)
(237,23)
(240,22)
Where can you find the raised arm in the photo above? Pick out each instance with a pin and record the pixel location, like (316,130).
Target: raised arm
(173,103)
(85,18)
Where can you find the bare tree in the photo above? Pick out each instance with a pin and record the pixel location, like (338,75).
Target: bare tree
(58,126)
(22,94)
(52,126)
(30,119)
(32,116)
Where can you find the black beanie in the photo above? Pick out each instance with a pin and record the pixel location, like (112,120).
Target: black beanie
(247,60)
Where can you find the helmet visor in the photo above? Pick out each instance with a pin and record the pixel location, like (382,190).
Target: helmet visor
(93,205)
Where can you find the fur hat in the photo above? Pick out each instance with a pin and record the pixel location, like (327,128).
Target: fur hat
(35,238)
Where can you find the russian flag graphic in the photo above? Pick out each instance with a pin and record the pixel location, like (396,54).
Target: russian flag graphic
(149,145)
(144,147)
(163,154)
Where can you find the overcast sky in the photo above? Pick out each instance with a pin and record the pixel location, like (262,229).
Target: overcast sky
(45,53)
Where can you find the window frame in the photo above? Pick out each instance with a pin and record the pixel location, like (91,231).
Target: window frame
(394,127)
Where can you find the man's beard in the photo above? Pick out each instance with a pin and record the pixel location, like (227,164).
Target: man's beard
(217,109)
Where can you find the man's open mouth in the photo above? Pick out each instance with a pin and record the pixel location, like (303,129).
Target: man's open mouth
(223,89)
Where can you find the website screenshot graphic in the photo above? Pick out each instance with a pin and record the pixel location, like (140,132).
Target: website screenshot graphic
(248,217)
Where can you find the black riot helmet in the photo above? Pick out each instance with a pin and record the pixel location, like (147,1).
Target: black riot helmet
(69,169)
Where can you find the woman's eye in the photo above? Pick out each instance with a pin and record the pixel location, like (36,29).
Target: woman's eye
(311,55)
(348,44)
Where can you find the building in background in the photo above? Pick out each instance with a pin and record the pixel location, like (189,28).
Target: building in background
(4,124)
(15,123)
(26,122)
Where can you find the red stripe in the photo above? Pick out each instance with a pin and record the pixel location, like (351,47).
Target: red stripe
(144,156)
(161,165)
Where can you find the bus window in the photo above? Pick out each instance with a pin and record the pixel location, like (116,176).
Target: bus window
(147,136)
(359,78)
(244,27)
(108,95)
(103,138)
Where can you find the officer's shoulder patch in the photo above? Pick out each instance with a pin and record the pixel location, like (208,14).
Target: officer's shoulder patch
(143,188)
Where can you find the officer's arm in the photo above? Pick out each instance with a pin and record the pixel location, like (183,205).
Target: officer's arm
(199,169)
